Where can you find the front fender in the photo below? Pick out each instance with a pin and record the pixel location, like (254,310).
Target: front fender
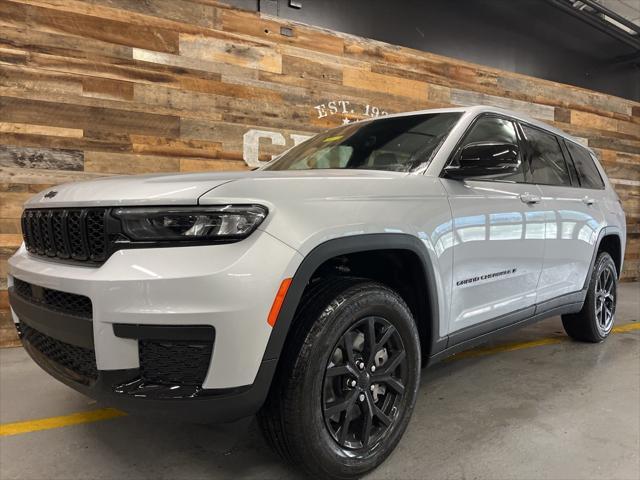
(352,244)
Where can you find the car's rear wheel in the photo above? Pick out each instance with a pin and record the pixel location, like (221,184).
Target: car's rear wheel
(594,322)
(347,382)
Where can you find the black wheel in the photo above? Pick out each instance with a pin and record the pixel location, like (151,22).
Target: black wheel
(347,383)
(594,322)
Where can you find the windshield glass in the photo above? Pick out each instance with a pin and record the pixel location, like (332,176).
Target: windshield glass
(401,144)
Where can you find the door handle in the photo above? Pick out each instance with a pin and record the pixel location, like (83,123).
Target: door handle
(530,198)
(588,201)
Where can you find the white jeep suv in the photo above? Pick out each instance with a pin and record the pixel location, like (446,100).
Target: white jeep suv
(313,290)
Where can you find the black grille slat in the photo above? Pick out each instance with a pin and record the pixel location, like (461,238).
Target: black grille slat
(78,234)
(38,227)
(96,235)
(76,242)
(57,226)
(36,233)
(79,360)
(25,229)
(83,235)
(47,235)
(64,302)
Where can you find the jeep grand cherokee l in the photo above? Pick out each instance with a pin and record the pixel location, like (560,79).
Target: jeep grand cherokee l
(313,290)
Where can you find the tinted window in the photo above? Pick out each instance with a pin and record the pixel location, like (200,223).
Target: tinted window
(546,161)
(589,175)
(402,144)
(495,130)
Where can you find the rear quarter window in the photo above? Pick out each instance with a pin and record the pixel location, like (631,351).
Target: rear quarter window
(586,167)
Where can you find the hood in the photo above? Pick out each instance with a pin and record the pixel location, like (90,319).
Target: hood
(181,189)
(309,207)
(162,189)
(278,187)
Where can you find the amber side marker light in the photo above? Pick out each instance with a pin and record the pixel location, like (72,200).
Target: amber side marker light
(278,301)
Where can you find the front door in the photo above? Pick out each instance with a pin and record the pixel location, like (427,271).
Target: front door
(498,226)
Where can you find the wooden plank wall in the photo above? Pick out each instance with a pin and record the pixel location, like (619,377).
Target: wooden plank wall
(101,87)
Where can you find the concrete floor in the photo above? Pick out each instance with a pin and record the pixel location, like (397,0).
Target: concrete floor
(557,411)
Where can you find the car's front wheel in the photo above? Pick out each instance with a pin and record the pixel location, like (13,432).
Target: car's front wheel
(347,382)
(594,322)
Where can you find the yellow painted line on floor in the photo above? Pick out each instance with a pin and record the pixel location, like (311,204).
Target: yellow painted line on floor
(27,426)
(510,347)
(629,327)
(507,347)
(17,428)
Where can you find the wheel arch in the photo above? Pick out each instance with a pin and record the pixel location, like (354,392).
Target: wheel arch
(356,244)
(609,240)
(612,244)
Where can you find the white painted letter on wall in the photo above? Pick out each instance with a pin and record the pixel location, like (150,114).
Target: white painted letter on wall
(251,144)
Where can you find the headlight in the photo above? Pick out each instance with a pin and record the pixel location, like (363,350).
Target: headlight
(216,223)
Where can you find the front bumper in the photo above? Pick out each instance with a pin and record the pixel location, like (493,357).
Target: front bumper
(228,288)
(126,390)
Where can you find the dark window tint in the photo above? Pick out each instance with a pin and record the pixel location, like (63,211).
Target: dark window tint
(495,130)
(545,158)
(589,175)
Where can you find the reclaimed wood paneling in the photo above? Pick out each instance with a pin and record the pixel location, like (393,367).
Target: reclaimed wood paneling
(128,164)
(47,158)
(97,28)
(102,87)
(251,55)
(271,30)
(401,87)
(40,130)
(467,98)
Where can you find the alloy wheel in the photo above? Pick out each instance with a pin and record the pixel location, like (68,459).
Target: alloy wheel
(364,383)
(605,304)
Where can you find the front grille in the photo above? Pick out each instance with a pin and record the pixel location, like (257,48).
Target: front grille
(183,363)
(72,234)
(80,360)
(64,302)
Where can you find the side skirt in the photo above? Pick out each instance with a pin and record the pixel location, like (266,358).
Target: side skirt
(478,334)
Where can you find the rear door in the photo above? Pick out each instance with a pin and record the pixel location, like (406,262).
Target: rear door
(573,217)
(498,227)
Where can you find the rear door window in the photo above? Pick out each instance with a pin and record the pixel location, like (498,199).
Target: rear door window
(546,161)
(586,167)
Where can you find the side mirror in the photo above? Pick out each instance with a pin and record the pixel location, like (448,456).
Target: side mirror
(485,159)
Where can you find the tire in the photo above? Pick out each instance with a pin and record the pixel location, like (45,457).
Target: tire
(325,372)
(594,322)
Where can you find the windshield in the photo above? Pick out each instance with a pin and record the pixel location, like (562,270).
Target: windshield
(401,144)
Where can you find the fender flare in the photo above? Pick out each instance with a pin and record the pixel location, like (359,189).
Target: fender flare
(342,246)
(604,232)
